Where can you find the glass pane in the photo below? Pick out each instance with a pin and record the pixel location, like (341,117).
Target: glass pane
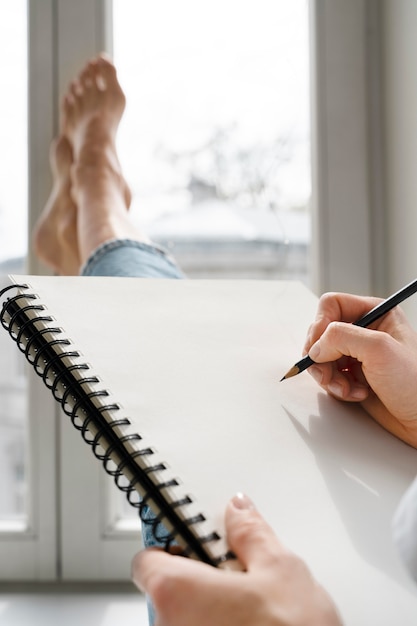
(215,139)
(13,249)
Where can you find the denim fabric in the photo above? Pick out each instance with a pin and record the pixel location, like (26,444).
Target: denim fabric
(150,541)
(128,257)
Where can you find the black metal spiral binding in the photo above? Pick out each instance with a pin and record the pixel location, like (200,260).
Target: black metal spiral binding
(46,350)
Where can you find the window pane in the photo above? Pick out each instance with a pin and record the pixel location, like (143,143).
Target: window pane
(13,248)
(215,140)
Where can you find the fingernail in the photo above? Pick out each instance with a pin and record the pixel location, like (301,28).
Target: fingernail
(336,389)
(314,351)
(241,501)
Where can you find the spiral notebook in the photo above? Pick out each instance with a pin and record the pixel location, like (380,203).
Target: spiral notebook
(175,387)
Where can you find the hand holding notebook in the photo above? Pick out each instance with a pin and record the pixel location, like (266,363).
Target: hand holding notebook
(277,588)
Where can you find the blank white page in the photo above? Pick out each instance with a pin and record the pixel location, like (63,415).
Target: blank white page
(196,367)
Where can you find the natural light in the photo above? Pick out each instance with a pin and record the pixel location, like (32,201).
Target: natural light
(215,140)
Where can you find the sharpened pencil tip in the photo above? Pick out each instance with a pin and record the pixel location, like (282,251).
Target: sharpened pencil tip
(292,372)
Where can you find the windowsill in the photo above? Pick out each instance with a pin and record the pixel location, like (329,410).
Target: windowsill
(72,603)
(13,526)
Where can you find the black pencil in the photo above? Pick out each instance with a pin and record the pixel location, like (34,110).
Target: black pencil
(375,314)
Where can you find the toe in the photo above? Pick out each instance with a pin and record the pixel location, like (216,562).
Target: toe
(106,69)
(88,74)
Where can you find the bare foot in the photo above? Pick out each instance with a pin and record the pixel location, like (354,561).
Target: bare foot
(92,110)
(91,113)
(55,236)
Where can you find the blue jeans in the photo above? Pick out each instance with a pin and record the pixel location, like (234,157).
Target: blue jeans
(128,257)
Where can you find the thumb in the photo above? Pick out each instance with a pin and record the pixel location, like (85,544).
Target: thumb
(249,536)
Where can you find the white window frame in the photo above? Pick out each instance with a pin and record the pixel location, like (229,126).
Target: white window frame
(348,213)
(66,479)
(31,555)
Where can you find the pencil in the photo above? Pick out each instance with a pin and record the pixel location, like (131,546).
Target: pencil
(374,314)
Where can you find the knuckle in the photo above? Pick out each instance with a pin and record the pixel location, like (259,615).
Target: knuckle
(250,529)
(293,567)
(327,297)
(326,303)
(335,329)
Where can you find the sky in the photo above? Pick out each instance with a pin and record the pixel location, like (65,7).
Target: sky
(187,68)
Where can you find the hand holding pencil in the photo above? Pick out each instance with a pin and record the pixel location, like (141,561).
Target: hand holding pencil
(376,366)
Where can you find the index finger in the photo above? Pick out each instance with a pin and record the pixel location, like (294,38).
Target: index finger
(337,307)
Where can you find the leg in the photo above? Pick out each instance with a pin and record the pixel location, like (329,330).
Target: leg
(85,224)
(92,111)
(55,236)
(108,242)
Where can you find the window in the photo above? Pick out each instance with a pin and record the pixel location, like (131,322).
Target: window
(215,139)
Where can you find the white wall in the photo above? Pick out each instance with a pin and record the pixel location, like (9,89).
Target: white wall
(399,56)
(342,220)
